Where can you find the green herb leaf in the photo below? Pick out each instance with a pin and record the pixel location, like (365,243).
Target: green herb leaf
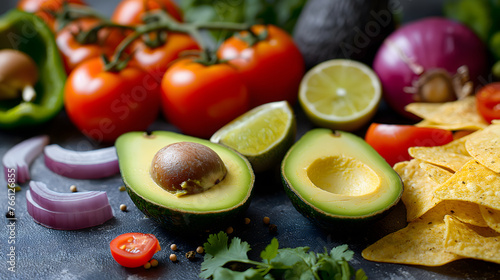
(217,253)
(271,251)
(286,263)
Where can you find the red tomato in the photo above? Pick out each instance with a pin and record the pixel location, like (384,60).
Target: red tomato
(488,101)
(157,60)
(200,99)
(272,68)
(392,141)
(134,249)
(42,8)
(130,12)
(73,53)
(104,105)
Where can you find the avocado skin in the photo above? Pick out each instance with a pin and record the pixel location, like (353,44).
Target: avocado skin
(177,219)
(327,221)
(351,29)
(333,223)
(181,222)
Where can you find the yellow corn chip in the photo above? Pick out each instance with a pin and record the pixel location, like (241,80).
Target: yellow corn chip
(440,157)
(485,148)
(436,173)
(419,243)
(455,115)
(462,240)
(492,217)
(419,188)
(422,109)
(474,183)
(464,211)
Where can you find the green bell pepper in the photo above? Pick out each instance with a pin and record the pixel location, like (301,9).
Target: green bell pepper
(29,34)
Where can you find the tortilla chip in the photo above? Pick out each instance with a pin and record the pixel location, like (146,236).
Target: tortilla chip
(439,157)
(462,240)
(455,115)
(436,173)
(418,192)
(485,148)
(422,109)
(464,211)
(419,243)
(474,183)
(492,217)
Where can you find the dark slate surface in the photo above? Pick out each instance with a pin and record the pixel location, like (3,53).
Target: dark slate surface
(42,253)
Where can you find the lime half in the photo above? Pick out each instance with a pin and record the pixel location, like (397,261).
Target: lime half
(263,135)
(340,94)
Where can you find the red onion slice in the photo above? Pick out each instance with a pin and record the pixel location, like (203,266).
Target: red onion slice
(87,211)
(66,202)
(82,165)
(20,156)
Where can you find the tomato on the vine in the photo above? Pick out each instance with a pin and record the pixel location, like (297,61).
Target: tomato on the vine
(74,53)
(105,104)
(156,60)
(130,12)
(488,101)
(272,67)
(134,249)
(392,141)
(199,99)
(45,8)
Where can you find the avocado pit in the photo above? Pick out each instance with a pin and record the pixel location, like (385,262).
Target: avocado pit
(186,168)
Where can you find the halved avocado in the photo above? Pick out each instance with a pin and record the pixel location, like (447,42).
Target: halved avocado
(211,209)
(334,177)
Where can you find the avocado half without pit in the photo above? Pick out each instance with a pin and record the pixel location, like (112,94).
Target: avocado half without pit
(184,183)
(335,178)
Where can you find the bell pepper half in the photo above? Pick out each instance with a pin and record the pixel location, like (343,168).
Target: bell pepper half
(29,34)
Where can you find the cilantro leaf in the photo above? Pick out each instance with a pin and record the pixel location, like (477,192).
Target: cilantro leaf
(271,251)
(286,263)
(217,253)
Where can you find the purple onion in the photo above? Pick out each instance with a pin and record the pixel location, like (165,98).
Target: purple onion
(82,165)
(19,157)
(425,46)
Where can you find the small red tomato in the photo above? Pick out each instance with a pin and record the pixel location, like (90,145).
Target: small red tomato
(73,53)
(105,104)
(392,141)
(45,8)
(130,12)
(134,249)
(200,99)
(272,68)
(157,60)
(488,101)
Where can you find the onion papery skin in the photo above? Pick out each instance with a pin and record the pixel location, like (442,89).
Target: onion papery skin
(20,156)
(94,164)
(88,208)
(432,43)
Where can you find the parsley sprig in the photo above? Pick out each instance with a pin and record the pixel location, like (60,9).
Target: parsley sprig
(285,263)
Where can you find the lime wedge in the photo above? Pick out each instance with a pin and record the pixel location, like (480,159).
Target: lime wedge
(340,94)
(263,135)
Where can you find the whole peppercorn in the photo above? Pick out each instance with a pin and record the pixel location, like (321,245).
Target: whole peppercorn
(191,255)
(273,228)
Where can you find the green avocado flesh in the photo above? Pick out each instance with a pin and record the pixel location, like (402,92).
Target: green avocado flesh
(212,208)
(335,177)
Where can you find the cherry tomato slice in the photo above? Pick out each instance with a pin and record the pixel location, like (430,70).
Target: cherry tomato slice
(488,101)
(134,249)
(392,141)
